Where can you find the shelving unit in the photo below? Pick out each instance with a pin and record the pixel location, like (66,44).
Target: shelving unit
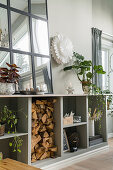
(65,104)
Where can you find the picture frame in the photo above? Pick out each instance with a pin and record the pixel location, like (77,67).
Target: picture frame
(65,142)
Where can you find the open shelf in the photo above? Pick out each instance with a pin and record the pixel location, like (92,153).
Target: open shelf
(11,135)
(75,124)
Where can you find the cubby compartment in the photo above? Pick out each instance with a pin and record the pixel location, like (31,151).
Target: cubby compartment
(20,106)
(77,105)
(56,114)
(7,151)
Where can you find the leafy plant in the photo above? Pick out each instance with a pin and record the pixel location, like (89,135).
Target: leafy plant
(9,75)
(9,118)
(83,67)
(16,144)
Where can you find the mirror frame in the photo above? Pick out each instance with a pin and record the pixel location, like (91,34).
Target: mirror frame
(31,53)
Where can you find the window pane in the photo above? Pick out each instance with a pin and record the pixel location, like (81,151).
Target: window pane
(43,73)
(25,71)
(4,58)
(40,37)
(20,4)
(3,2)
(4,38)
(20,32)
(38,7)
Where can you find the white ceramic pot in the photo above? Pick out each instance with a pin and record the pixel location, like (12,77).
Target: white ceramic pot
(86,89)
(7,88)
(91,128)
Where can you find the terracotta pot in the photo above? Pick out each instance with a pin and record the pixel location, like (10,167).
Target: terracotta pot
(2,130)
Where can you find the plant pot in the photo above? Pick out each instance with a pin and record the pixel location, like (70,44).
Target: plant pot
(91,128)
(7,88)
(86,87)
(2,130)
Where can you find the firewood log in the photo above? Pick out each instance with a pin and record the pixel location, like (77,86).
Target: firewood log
(34,141)
(53,149)
(42,129)
(44,118)
(38,102)
(45,155)
(51,126)
(33,158)
(51,109)
(45,135)
(34,115)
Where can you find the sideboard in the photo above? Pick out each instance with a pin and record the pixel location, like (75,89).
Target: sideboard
(64,104)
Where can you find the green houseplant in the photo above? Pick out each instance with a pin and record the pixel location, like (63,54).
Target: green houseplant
(8,79)
(8,118)
(82,68)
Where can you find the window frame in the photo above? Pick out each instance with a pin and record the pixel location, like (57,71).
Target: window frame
(31,53)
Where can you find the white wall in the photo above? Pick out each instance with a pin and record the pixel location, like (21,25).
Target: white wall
(74,19)
(103,15)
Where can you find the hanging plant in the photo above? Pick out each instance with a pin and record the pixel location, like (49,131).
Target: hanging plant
(16,144)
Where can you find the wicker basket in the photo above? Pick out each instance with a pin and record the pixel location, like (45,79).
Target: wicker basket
(2,130)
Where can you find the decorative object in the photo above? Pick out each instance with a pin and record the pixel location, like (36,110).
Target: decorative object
(73,140)
(82,68)
(70,89)
(1,156)
(94,140)
(8,79)
(65,142)
(97,114)
(61,49)
(68,119)
(41,89)
(76,119)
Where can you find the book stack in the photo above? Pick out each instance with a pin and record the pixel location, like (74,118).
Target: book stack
(94,140)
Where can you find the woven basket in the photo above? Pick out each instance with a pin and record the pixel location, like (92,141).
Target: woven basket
(2,130)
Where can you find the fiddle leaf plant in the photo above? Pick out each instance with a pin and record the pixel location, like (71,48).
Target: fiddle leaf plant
(83,69)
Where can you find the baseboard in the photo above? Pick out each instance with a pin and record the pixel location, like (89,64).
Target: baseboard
(75,159)
(110,135)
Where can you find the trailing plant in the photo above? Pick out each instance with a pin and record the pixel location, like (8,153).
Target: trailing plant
(16,144)
(9,75)
(9,118)
(83,67)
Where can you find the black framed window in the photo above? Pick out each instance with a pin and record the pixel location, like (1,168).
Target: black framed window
(24,40)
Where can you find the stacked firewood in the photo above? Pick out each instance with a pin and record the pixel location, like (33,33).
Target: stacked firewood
(42,142)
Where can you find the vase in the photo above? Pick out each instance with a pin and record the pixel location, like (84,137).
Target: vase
(7,88)
(91,128)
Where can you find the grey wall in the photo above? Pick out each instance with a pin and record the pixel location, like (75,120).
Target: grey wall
(74,19)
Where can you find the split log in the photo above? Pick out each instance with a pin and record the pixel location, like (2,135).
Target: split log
(44,118)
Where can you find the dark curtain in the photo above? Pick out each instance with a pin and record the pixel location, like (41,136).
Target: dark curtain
(97,54)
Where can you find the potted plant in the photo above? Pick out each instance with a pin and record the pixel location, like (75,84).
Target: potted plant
(8,79)
(8,118)
(82,68)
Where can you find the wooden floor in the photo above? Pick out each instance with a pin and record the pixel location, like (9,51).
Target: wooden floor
(102,161)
